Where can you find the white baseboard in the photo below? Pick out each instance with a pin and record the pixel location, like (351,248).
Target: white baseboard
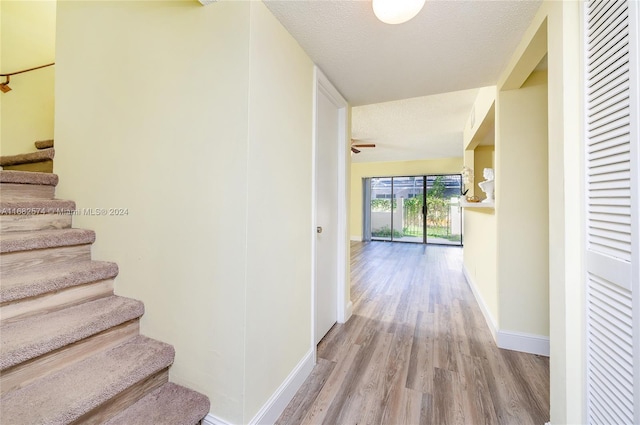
(276,404)
(356,238)
(488,317)
(214,420)
(348,312)
(509,340)
(527,343)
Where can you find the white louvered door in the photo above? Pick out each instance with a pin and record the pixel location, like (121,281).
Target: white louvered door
(612,257)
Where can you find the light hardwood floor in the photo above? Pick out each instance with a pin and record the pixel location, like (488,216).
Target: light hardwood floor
(417,351)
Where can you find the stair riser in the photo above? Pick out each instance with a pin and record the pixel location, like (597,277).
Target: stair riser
(19,262)
(54,301)
(124,399)
(39,167)
(24,223)
(11,191)
(25,373)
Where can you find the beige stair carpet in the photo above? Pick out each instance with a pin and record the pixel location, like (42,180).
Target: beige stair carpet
(44,144)
(54,278)
(28,158)
(166,405)
(70,351)
(67,395)
(34,336)
(24,241)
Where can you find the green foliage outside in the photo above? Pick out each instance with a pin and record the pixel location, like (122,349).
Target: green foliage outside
(437,189)
(382,205)
(385,232)
(438,210)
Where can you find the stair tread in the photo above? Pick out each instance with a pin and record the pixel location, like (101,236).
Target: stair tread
(64,396)
(28,177)
(36,206)
(37,335)
(28,158)
(170,404)
(54,278)
(44,144)
(24,241)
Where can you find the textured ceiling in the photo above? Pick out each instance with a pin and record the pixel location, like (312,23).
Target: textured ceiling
(417,128)
(451,46)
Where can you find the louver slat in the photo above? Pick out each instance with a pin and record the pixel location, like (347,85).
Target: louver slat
(618,117)
(612,184)
(613,176)
(594,12)
(617,58)
(611,158)
(611,357)
(604,138)
(612,40)
(604,218)
(615,21)
(617,146)
(609,161)
(616,75)
(598,22)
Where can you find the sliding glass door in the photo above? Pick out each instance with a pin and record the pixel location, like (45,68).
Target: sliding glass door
(419,209)
(410,200)
(443,212)
(381,210)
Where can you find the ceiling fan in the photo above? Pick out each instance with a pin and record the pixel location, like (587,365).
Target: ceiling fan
(355,144)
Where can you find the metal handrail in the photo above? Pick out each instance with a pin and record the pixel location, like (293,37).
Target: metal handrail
(26,70)
(4,86)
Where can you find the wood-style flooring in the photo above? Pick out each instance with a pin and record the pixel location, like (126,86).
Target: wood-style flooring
(417,350)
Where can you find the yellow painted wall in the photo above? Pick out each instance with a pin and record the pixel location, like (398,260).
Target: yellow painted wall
(562,23)
(197,120)
(484,157)
(480,258)
(481,108)
(279,208)
(522,207)
(479,252)
(27,40)
(555,31)
(359,170)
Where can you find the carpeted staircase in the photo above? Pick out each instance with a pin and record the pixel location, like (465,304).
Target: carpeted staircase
(70,350)
(40,161)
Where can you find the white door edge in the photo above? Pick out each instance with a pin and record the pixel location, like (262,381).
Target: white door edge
(343,302)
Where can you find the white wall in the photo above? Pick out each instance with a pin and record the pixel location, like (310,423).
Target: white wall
(198,121)
(566,224)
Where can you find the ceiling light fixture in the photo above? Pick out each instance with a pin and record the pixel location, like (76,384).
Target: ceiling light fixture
(396,11)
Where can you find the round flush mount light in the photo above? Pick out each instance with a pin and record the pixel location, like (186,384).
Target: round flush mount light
(396,11)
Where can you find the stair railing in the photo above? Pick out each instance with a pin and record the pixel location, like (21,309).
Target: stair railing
(4,86)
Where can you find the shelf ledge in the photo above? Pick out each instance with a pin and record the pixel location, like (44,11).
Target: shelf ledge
(465,204)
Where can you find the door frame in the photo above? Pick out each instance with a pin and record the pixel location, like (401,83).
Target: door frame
(343,300)
(366,209)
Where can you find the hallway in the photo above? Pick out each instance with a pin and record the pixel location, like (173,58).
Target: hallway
(417,351)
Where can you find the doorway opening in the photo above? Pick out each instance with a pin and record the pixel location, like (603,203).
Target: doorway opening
(417,209)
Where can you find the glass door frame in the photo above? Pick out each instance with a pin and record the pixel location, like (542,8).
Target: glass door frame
(423,212)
